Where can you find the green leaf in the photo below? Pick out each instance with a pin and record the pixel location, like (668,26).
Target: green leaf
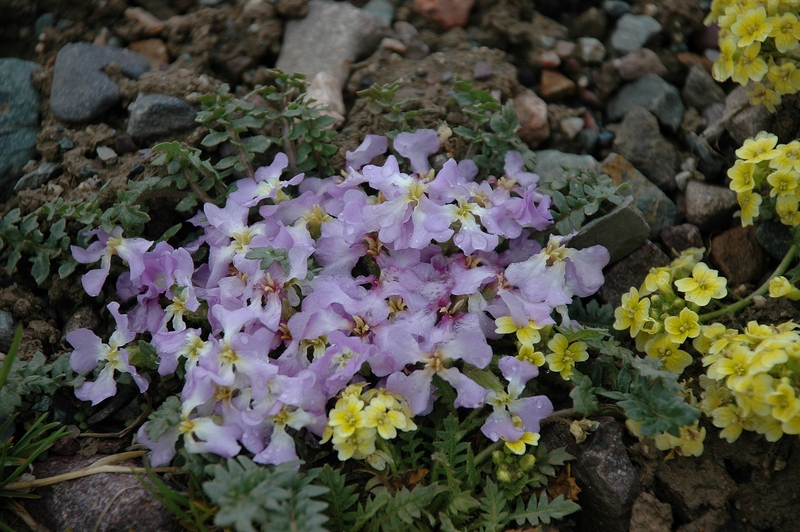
(543,511)
(340,498)
(41,267)
(583,395)
(215,138)
(494,510)
(166,417)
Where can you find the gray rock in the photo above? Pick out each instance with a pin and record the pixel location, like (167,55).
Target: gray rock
(659,211)
(591,50)
(621,231)
(710,163)
(342,33)
(44,173)
(633,31)
(639,140)
(655,95)
(701,90)
(80,504)
(708,206)
(630,271)
(553,163)
(774,237)
(19,120)
(152,115)
(106,154)
(81,91)
(681,237)
(615,8)
(45,20)
(749,121)
(8,326)
(639,63)
(383,9)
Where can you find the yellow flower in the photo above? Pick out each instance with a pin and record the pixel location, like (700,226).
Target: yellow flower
(565,355)
(673,358)
(632,312)
(689,443)
(358,445)
(750,65)
(785,405)
(771,428)
(658,279)
(751,26)
(731,419)
(766,95)
(703,285)
(789,158)
(751,393)
(724,65)
(785,31)
(759,148)
(785,78)
(529,353)
(385,421)
(742,175)
(679,328)
(783,183)
(781,287)
(786,207)
(527,438)
(527,333)
(750,202)
(347,416)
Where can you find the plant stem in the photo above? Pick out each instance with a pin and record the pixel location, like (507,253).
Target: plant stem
(742,303)
(486,453)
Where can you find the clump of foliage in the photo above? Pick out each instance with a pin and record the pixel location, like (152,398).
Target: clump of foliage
(382,100)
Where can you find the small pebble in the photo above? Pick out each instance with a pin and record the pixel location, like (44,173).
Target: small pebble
(482,70)
(106,154)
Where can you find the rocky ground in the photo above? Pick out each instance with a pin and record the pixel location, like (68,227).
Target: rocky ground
(88,86)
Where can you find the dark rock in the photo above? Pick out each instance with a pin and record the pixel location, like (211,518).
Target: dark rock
(774,237)
(681,237)
(408,35)
(342,34)
(639,140)
(738,256)
(81,91)
(749,121)
(107,502)
(124,144)
(591,23)
(621,231)
(8,326)
(44,173)
(701,90)
(630,271)
(153,115)
(709,163)
(19,120)
(709,206)
(655,95)
(659,211)
(616,8)
(691,486)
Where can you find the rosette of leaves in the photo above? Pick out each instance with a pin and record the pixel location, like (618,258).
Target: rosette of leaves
(382,100)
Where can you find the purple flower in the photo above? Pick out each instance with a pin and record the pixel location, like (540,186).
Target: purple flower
(129,249)
(371,147)
(265,184)
(417,147)
(90,351)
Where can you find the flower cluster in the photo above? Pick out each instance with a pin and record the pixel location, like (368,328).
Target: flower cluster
(355,292)
(659,319)
(753,379)
(757,41)
(763,165)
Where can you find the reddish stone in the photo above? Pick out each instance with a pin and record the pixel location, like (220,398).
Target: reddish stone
(532,115)
(446,13)
(556,86)
(154,50)
(738,256)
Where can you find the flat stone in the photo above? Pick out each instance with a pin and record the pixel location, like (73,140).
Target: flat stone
(708,206)
(639,63)
(532,116)
(630,271)
(621,231)
(152,115)
(572,126)
(556,86)
(638,139)
(553,163)
(342,34)
(738,256)
(681,237)
(81,91)
(80,504)
(44,173)
(633,31)
(591,50)
(700,89)
(659,211)
(655,95)
(774,237)
(749,121)
(19,120)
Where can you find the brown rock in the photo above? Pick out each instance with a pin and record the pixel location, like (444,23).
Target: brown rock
(681,237)
(532,115)
(154,50)
(650,515)
(556,86)
(688,59)
(630,272)
(446,13)
(738,256)
(639,63)
(693,486)
(709,206)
